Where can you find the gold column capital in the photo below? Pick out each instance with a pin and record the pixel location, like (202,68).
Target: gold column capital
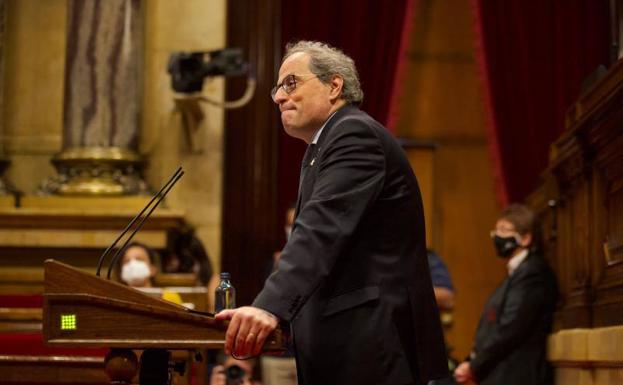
(96,171)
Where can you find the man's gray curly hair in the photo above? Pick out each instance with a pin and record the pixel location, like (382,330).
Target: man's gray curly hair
(326,61)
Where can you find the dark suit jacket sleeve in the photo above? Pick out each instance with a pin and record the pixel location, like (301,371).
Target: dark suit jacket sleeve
(524,302)
(350,177)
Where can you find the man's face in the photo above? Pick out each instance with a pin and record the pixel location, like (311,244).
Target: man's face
(304,110)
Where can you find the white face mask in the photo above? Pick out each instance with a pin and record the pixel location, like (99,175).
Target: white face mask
(135,272)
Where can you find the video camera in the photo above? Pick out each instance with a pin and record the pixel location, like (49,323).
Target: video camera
(188,69)
(235,375)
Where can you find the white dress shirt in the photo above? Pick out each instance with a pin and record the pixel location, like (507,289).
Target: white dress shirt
(516,260)
(317,134)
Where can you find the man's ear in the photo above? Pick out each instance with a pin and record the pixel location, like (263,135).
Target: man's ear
(153,270)
(336,84)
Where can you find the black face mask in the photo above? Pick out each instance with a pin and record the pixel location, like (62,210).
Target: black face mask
(504,246)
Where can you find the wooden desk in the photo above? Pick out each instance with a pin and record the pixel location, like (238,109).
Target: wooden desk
(52,370)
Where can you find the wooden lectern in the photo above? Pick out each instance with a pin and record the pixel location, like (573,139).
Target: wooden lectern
(84,310)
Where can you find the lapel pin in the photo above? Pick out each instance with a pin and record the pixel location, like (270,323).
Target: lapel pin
(312,162)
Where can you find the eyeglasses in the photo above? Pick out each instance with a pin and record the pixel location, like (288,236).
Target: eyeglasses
(288,85)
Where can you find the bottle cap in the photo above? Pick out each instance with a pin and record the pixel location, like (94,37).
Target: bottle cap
(225,275)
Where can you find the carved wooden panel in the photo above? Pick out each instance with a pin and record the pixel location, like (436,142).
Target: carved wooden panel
(608,228)
(586,248)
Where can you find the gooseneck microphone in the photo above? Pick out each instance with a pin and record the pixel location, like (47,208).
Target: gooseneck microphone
(157,199)
(140,224)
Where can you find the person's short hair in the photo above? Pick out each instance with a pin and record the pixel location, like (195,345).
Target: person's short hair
(326,61)
(522,218)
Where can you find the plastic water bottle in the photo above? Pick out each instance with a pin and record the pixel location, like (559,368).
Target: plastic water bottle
(225,294)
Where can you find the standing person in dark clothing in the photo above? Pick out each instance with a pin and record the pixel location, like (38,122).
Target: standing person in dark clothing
(352,282)
(510,341)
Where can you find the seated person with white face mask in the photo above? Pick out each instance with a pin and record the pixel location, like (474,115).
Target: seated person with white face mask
(138,270)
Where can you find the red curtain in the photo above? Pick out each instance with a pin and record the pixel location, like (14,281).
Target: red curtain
(533,56)
(372,33)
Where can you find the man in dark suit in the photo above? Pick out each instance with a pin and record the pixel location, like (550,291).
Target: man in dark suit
(353,281)
(511,337)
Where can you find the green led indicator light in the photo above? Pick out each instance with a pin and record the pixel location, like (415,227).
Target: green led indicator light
(68,322)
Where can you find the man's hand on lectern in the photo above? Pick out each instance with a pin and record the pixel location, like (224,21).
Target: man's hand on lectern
(248,329)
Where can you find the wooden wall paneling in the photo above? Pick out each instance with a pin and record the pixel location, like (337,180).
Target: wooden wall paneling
(570,169)
(578,297)
(581,295)
(466,212)
(441,103)
(563,249)
(599,214)
(421,155)
(251,144)
(598,256)
(587,163)
(579,243)
(77,235)
(606,141)
(614,241)
(545,201)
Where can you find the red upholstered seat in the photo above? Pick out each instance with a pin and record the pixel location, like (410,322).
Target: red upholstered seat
(21,300)
(32,344)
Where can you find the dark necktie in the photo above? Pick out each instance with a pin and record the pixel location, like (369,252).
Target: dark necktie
(309,155)
(307,159)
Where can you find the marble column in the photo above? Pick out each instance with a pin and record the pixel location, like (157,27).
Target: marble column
(4,161)
(102,100)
